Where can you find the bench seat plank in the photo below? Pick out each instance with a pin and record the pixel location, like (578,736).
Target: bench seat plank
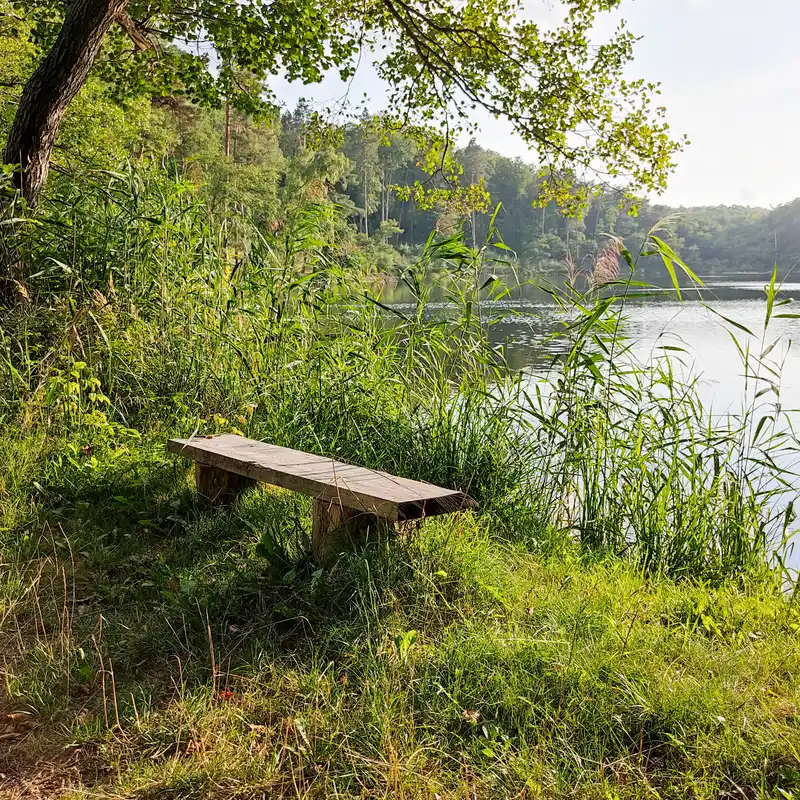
(365,490)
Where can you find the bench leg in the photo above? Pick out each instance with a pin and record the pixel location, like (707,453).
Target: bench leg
(217,486)
(337,528)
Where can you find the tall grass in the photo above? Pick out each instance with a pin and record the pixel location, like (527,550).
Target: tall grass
(144,321)
(565,642)
(633,462)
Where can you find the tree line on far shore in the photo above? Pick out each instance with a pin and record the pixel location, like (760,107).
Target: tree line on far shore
(393,186)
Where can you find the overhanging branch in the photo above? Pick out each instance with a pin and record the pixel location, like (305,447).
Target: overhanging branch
(136,32)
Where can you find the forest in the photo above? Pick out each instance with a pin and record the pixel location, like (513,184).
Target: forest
(184,260)
(391,187)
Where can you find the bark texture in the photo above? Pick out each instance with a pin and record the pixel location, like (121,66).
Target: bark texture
(52,86)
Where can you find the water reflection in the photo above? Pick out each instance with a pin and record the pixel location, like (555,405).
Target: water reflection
(524,324)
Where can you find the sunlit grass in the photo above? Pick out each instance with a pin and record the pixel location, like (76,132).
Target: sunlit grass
(445,663)
(609,625)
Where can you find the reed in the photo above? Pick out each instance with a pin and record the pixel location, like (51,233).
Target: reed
(613,623)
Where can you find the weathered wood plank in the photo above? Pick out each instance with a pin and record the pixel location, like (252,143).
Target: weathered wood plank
(338,528)
(350,486)
(218,486)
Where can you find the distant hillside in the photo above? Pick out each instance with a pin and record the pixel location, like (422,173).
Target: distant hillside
(713,240)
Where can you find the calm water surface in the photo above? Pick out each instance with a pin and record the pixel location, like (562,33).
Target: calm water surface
(652,323)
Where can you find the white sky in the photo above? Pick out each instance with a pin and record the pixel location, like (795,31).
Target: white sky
(729,71)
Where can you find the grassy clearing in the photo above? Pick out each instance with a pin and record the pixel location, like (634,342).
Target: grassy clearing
(158,655)
(609,626)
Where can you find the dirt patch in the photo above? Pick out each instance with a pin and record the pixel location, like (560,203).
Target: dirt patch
(51,775)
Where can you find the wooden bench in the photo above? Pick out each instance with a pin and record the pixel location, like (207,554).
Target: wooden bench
(348,500)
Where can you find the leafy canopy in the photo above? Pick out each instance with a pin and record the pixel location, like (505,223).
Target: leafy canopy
(564,95)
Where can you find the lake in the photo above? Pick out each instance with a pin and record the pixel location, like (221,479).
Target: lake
(653,322)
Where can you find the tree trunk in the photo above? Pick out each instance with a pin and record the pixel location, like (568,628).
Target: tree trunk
(227,129)
(366,204)
(50,89)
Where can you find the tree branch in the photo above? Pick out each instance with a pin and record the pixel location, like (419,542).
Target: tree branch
(136,32)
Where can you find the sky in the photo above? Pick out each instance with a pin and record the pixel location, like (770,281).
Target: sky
(729,73)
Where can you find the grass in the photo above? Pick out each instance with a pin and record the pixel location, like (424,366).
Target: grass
(147,641)
(610,625)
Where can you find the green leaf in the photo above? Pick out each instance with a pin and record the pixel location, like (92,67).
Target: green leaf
(770,290)
(729,320)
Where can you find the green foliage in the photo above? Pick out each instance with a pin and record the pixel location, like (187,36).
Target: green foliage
(611,618)
(376,173)
(17,55)
(439,60)
(288,340)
